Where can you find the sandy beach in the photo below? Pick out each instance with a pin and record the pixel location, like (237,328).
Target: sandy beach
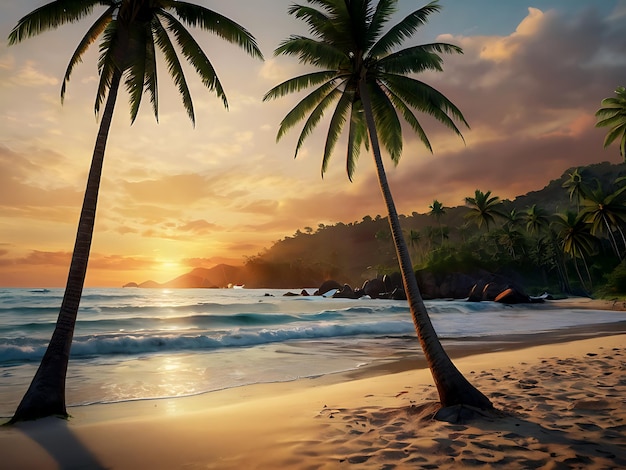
(560,400)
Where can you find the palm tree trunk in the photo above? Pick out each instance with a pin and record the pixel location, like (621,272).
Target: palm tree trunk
(612,237)
(46,394)
(453,387)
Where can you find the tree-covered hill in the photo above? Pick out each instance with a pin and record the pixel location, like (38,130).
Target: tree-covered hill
(455,239)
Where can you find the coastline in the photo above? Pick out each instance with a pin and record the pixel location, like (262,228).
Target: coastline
(565,388)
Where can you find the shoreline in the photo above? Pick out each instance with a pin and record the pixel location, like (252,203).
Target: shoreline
(377,417)
(563,392)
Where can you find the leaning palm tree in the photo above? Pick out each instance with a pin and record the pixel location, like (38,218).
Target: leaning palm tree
(369,85)
(613,114)
(130,31)
(484,209)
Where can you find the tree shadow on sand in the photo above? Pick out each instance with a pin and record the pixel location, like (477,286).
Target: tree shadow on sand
(410,437)
(57,439)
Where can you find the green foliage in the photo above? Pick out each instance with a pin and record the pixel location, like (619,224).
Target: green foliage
(615,282)
(612,114)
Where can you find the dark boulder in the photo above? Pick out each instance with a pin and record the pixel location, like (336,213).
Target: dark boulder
(512,296)
(428,284)
(375,288)
(346,292)
(398,294)
(393,281)
(327,286)
(456,286)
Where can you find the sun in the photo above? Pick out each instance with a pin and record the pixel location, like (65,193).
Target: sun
(170,269)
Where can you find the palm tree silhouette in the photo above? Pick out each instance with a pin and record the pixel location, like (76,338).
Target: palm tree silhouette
(370,85)
(576,241)
(606,211)
(130,31)
(484,208)
(437,210)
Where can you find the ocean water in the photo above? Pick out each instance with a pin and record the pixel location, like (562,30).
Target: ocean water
(134,344)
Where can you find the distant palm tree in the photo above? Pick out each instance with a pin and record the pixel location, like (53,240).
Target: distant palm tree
(606,212)
(371,84)
(613,114)
(537,220)
(484,208)
(437,210)
(130,31)
(575,186)
(576,241)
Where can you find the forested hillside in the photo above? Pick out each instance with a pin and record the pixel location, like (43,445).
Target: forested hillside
(567,237)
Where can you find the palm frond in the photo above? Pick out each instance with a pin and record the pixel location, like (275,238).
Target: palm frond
(316,19)
(616,120)
(136,71)
(150,80)
(106,62)
(307,104)
(195,56)
(221,26)
(387,122)
(384,10)
(425,98)
(335,127)
(614,134)
(51,16)
(410,118)
(309,51)
(174,67)
(417,59)
(89,38)
(403,30)
(607,112)
(299,83)
(315,116)
(357,136)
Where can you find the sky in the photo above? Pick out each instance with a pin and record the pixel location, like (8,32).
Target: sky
(174,197)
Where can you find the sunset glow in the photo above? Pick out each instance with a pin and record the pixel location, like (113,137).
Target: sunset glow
(174,197)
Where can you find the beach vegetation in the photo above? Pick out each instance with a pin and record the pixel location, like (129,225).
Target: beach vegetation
(369,86)
(528,249)
(129,33)
(612,114)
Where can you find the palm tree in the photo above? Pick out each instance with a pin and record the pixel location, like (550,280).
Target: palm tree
(537,220)
(130,31)
(370,85)
(606,211)
(576,186)
(484,208)
(576,241)
(613,114)
(437,210)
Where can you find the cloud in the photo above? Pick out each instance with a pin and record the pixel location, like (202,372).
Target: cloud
(170,190)
(197,227)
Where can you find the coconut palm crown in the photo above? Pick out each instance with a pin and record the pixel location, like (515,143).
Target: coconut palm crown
(371,86)
(349,47)
(129,30)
